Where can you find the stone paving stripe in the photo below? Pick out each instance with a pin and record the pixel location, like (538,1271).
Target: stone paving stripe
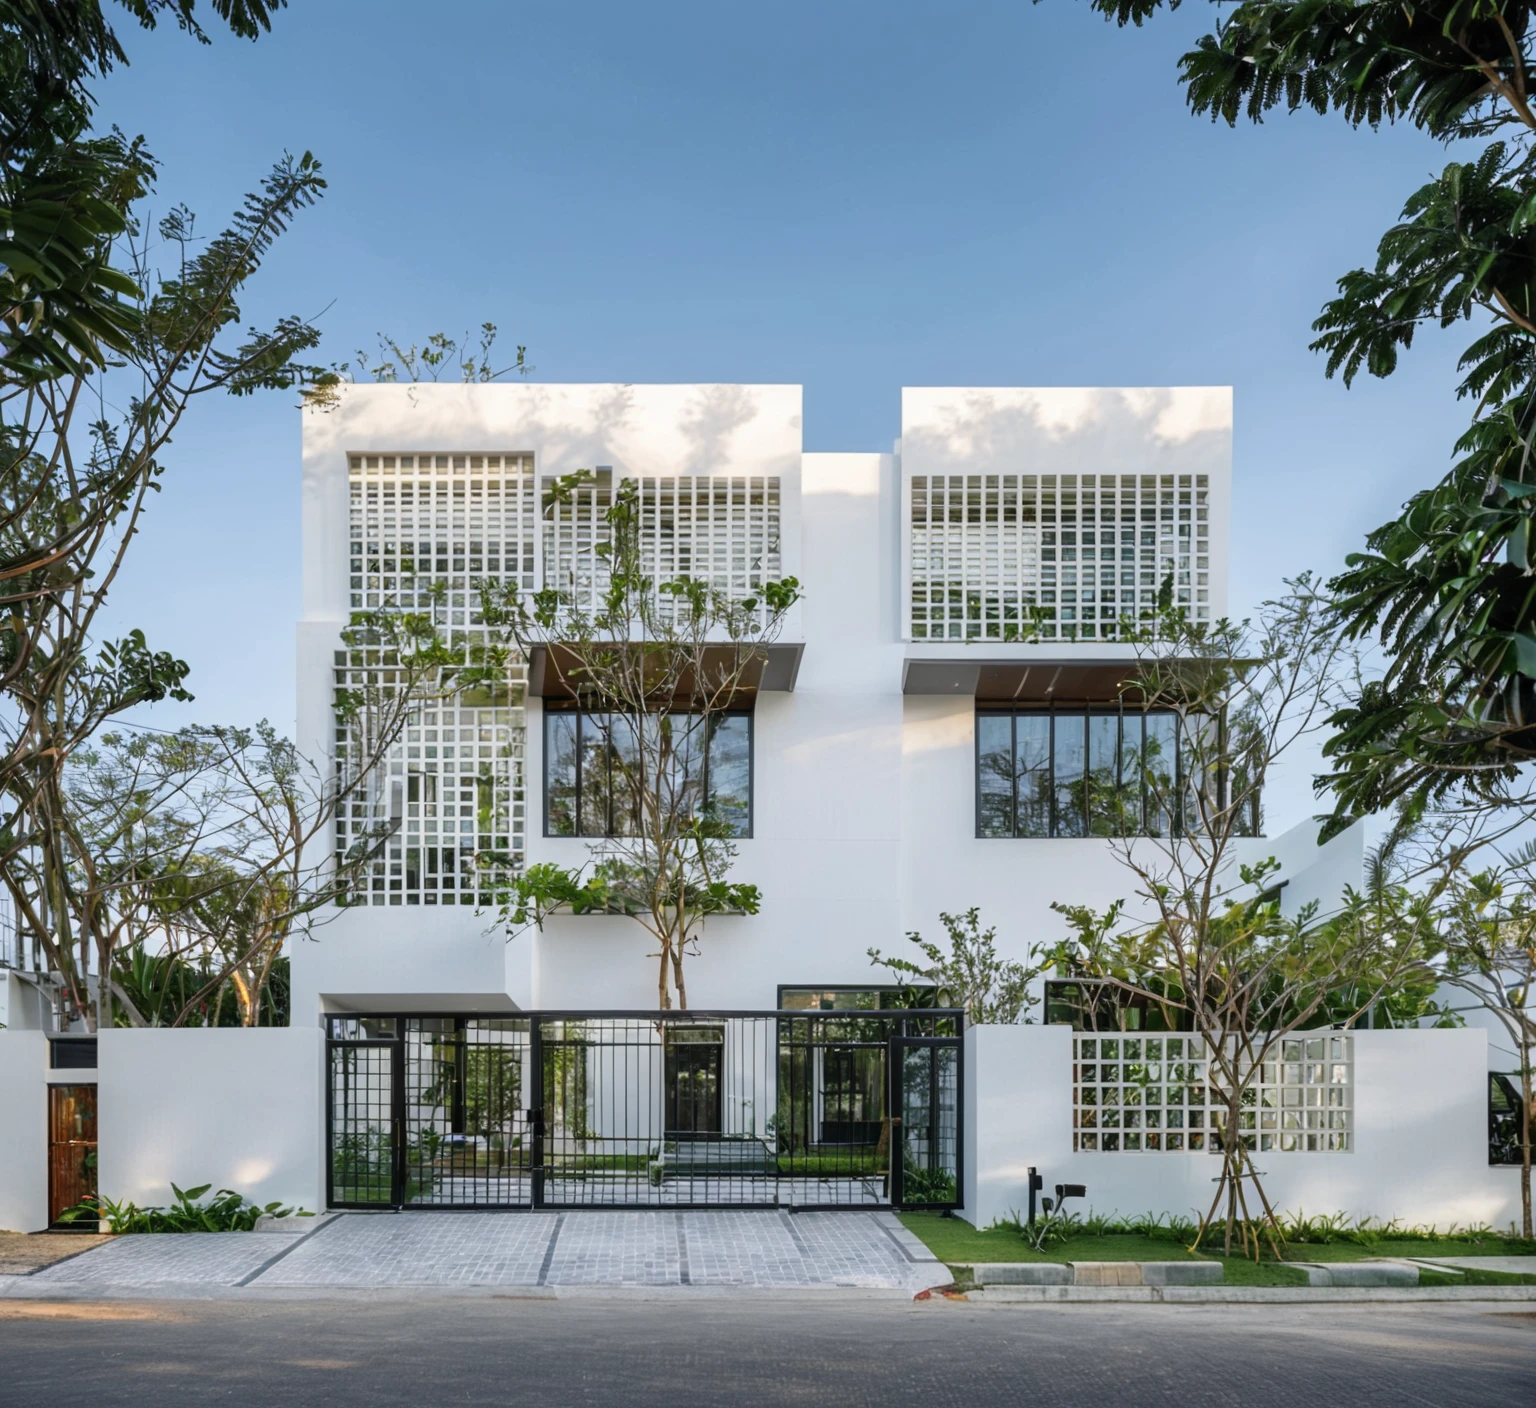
(794,1233)
(164,1258)
(549,1251)
(294,1243)
(682,1251)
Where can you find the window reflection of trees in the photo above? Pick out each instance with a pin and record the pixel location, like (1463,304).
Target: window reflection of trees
(599,776)
(1100,772)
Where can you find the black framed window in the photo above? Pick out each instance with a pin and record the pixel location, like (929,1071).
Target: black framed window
(1092,770)
(592,762)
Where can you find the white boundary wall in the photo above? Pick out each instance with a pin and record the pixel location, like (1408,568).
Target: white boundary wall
(241,1109)
(1420,1155)
(24,1130)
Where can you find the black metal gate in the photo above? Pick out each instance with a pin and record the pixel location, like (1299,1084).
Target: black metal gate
(844,1109)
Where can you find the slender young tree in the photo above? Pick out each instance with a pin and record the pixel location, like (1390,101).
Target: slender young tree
(656,667)
(1205,940)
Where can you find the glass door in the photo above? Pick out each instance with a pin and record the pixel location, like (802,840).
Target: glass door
(925,1101)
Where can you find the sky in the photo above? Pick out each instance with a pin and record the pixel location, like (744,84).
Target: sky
(851,196)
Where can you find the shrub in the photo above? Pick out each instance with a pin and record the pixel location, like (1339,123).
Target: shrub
(226,1211)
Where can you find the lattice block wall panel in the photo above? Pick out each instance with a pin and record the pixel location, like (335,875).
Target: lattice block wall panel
(454,785)
(1152,1094)
(724,529)
(1054,557)
(574,525)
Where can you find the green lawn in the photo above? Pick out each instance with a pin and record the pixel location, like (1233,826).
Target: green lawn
(960,1245)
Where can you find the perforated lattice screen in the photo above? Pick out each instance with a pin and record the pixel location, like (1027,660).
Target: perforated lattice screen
(1152,1094)
(723,529)
(454,786)
(1054,557)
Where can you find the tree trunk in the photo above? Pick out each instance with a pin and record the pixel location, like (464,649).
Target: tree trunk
(1525,1139)
(677,977)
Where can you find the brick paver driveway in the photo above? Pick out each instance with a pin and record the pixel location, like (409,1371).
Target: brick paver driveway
(767,1250)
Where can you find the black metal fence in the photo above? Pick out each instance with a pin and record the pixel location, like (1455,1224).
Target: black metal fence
(646,1109)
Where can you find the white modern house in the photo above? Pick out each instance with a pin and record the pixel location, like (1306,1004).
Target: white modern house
(963,594)
(863,812)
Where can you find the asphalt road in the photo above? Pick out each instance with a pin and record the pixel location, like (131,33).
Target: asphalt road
(436,1351)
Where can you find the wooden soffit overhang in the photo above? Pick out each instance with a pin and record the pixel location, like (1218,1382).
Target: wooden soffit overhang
(554,672)
(1019,679)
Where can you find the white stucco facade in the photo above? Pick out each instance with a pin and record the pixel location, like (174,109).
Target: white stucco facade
(864,793)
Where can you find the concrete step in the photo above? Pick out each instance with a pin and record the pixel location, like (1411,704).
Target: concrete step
(1358,1273)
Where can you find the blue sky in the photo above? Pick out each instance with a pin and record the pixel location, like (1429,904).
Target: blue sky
(853,196)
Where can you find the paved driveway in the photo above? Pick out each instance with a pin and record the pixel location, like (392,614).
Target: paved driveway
(769,1250)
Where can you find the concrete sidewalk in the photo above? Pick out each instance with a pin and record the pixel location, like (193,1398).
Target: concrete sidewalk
(568,1250)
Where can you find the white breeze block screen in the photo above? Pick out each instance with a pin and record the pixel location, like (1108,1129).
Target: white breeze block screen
(721,528)
(454,786)
(1011,557)
(1151,1094)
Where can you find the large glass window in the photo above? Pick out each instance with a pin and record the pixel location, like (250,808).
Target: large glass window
(592,771)
(1092,771)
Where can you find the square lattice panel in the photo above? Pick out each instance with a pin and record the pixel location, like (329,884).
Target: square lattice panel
(1054,557)
(453,787)
(1152,1094)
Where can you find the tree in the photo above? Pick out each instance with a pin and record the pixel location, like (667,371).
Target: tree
(60,685)
(199,855)
(1208,946)
(394,363)
(68,305)
(656,667)
(102,348)
(1446,586)
(1486,950)
(970,974)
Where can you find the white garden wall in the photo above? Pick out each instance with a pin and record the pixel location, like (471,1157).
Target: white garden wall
(1420,1155)
(24,1131)
(241,1109)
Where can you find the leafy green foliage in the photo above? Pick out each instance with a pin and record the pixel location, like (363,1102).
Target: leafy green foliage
(65,196)
(226,1211)
(1445,587)
(969,974)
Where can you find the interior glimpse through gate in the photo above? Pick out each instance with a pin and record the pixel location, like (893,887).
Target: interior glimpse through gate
(811,1109)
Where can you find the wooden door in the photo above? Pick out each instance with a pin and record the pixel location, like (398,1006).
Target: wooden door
(71,1147)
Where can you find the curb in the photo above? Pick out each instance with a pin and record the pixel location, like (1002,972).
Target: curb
(1244,1295)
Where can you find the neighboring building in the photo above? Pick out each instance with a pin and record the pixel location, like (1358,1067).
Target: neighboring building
(1052,513)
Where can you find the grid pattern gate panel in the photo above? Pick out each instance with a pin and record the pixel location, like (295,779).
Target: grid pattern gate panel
(468,1142)
(428,532)
(797,1109)
(1154,1094)
(362,1150)
(1011,557)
